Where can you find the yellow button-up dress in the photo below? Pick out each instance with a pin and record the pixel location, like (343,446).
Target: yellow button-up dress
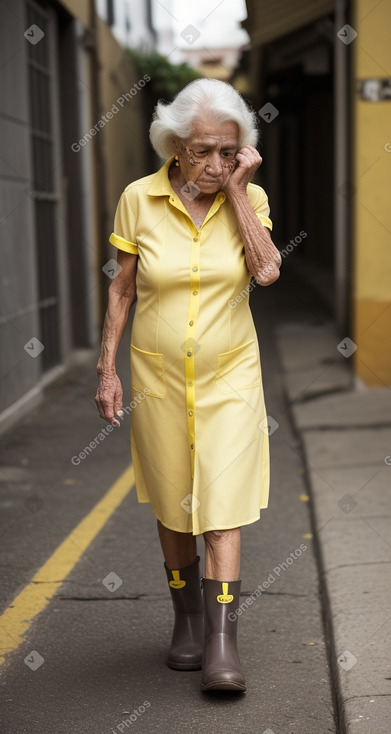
(199,440)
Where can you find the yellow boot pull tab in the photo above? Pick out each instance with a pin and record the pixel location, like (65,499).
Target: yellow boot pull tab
(224,598)
(176,582)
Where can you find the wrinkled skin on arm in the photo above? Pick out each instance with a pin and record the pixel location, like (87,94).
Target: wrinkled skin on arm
(262,257)
(122,294)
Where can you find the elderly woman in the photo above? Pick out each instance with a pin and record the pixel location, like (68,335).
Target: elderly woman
(189,238)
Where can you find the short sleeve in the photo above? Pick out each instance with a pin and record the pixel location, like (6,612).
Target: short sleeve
(260,202)
(124,234)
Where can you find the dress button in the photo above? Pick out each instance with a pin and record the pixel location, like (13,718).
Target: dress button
(191,323)
(189,383)
(189,354)
(190,412)
(195,239)
(194,269)
(195,293)
(192,445)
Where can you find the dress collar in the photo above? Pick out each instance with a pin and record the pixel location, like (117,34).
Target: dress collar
(160,185)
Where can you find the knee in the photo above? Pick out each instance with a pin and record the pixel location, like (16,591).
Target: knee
(215,538)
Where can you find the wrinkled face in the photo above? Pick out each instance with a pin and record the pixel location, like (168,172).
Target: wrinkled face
(207,156)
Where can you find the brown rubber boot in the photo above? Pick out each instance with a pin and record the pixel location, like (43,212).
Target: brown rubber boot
(187,637)
(221,668)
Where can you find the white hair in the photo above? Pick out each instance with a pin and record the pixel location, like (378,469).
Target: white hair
(199,98)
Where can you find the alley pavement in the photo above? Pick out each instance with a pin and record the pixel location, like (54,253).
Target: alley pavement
(345,433)
(93,659)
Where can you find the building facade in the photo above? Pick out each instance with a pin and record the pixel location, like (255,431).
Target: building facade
(72,136)
(319,74)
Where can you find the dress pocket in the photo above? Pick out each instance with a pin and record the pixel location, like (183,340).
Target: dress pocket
(147,372)
(238,369)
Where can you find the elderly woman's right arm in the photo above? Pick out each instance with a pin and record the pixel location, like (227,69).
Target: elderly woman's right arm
(122,293)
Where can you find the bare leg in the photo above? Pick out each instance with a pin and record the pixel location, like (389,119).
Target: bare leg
(179,549)
(222,554)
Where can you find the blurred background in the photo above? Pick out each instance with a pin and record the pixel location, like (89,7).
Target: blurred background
(79,81)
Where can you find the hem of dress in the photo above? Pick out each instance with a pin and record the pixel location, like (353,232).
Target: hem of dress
(213,527)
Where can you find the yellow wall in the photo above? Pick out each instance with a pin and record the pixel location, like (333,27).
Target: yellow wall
(125,137)
(372,200)
(78,9)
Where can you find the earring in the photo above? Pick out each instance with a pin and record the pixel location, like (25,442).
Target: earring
(176,160)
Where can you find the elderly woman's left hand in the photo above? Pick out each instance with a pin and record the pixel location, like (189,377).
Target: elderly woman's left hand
(248,160)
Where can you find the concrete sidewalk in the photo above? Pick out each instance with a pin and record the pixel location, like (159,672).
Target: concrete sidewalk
(346,439)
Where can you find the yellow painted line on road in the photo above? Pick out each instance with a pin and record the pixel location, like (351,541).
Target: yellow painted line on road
(17,618)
